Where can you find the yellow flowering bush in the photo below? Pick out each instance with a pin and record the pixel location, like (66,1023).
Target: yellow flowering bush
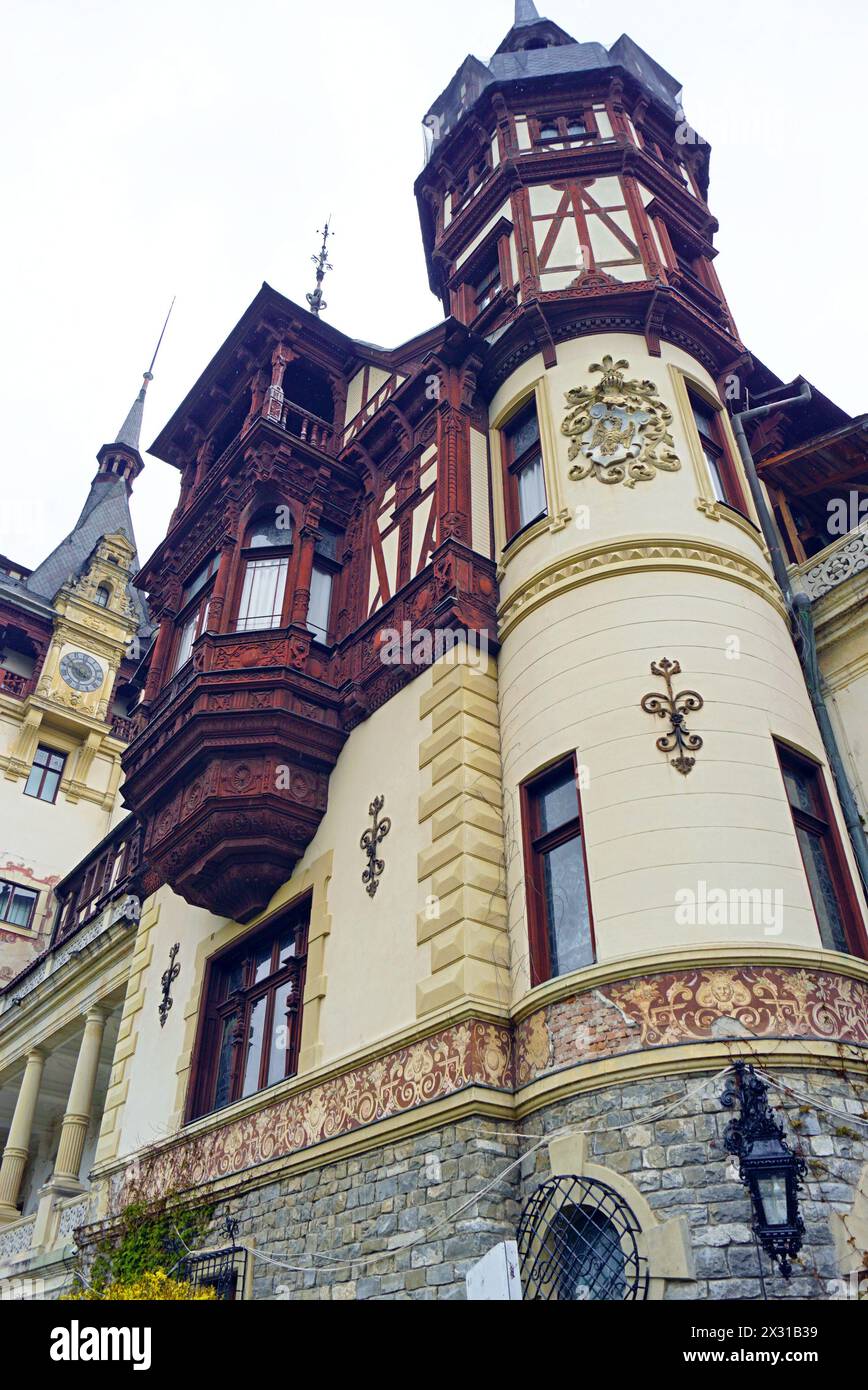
(156,1286)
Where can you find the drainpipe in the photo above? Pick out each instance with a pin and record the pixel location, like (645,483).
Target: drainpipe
(799,608)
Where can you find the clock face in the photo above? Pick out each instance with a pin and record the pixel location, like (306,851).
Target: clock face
(81,671)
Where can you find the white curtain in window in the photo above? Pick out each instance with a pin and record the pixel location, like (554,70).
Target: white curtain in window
(262,595)
(320,603)
(15,904)
(531,491)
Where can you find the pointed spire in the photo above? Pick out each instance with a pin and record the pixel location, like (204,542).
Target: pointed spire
(525,13)
(130,431)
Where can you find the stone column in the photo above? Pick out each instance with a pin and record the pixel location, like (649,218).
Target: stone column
(17,1149)
(76,1121)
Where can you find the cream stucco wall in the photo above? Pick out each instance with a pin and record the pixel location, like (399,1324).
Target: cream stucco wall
(589,600)
(364,963)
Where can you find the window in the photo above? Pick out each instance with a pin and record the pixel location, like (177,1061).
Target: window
(325,566)
(263,588)
(262,594)
(102,596)
(487,286)
(524,479)
(838,916)
(17,904)
(193,619)
(45,774)
(559,909)
(590,1264)
(562,129)
(721,470)
(251,1022)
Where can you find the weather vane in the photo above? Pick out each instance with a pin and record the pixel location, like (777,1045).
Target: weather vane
(322,263)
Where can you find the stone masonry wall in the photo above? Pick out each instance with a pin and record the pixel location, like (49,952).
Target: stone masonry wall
(364,1208)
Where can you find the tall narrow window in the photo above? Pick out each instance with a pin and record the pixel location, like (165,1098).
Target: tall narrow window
(262,594)
(487,285)
(721,469)
(325,567)
(524,478)
(251,1023)
(832,894)
(192,620)
(102,596)
(45,774)
(558,903)
(267,548)
(17,904)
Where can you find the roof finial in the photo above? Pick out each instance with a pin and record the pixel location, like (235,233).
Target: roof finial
(131,429)
(525,13)
(322,263)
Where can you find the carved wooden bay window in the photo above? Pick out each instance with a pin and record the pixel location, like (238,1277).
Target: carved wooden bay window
(558,901)
(831,887)
(250,1023)
(524,485)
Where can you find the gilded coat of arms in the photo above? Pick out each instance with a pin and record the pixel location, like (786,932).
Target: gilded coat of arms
(619,428)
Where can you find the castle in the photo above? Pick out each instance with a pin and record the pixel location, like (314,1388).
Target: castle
(400,859)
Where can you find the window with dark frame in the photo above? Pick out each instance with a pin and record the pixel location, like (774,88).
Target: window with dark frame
(524,476)
(828,874)
(487,285)
(192,619)
(264,575)
(17,904)
(322,579)
(45,774)
(251,1019)
(558,901)
(721,469)
(558,130)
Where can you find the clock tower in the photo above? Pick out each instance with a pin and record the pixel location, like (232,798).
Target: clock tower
(72,633)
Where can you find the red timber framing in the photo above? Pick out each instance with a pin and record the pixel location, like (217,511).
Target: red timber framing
(539,142)
(229,768)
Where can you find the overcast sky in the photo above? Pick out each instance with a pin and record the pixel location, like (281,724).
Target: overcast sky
(193,147)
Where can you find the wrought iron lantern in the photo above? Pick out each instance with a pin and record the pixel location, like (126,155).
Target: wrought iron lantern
(768,1167)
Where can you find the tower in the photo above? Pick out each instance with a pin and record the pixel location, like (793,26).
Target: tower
(73,632)
(479,806)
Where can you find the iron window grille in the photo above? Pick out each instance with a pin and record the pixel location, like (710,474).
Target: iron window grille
(224,1271)
(577,1243)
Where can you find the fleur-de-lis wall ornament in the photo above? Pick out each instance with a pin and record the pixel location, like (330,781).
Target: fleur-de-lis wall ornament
(675,708)
(169,978)
(370,842)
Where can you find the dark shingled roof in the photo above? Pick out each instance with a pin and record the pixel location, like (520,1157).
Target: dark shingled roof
(105,513)
(514,61)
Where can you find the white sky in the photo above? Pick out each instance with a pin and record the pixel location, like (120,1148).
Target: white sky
(193,147)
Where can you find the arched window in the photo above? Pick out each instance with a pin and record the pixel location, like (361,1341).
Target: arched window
(267,548)
(102,596)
